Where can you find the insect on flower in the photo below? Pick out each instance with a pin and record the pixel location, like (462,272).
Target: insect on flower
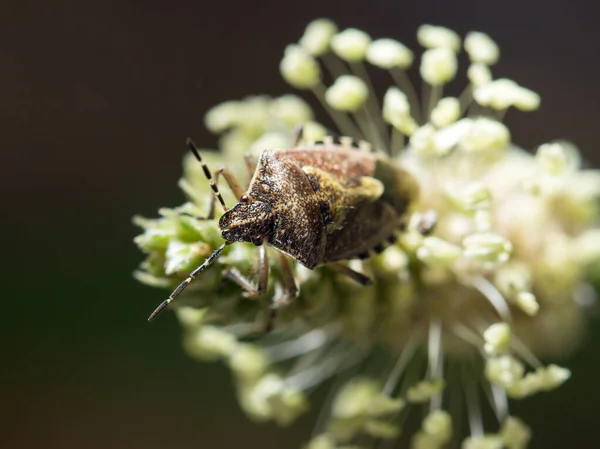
(458,320)
(319,204)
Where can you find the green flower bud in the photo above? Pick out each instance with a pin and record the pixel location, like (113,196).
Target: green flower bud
(317,36)
(481,48)
(351,44)
(299,68)
(348,93)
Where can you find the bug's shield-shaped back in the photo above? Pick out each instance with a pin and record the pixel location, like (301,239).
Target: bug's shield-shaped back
(339,195)
(298,228)
(356,221)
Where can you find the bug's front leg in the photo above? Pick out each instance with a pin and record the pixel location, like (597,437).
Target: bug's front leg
(252,290)
(290,291)
(347,271)
(233,184)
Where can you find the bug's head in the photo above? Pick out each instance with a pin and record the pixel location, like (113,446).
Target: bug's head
(247,221)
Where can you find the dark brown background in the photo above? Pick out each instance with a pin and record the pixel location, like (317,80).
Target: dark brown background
(96,98)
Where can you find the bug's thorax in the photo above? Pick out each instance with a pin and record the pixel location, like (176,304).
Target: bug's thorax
(247,221)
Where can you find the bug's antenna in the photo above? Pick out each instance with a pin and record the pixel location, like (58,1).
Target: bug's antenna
(162,306)
(213,185)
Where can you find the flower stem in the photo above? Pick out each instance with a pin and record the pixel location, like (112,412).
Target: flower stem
(341,120)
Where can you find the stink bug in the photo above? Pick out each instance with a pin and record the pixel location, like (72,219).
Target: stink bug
(318,203)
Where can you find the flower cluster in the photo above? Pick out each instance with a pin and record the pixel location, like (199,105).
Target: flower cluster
(454,321)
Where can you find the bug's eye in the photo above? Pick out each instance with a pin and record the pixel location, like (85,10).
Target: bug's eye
(244,199)
(257,241)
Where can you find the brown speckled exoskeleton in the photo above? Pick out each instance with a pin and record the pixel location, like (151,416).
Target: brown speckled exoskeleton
(318,203)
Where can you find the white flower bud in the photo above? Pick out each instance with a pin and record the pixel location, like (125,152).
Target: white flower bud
(513,278)
(503,93)
(347,93)
(438,424)
(481,48)
(317,36)
(437,252)
(271,141)
(483,220)
(346,429)
(430,36)
(422,141)
(487,247)
(527,302)
(287,406)
(472,196)
(211,343)
(485,134)
(222,116)
(384,405)
(482,442)
(504,371)
(447,111)
(396,111)
(421,440)
(393,262)
(515,434)
(291,109)
(313,132)
(249,362)
(239,256)
(323,441)
(479,74)
(584,186)
(445,139)
(299,68)
(382,429)
(389,53)
(254,112)
(259,394)
(587,246)
(424,391)
(271,398)
(497,339)
(497,94)
(190,316)
(543,379)
(154,239)
(557,158)
(354,399)
(351,44)
(526,99)
(395,104)
(527,386)
(249,113)
(554,376)
(182,256)
(438,66)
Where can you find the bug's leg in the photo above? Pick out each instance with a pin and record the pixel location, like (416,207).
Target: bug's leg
(232,182)
(347,271)
(427,222)
(297,135)
(230,178)
(263,276)
(289,283)
(290,292)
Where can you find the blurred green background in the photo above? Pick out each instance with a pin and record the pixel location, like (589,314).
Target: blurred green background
(96,99)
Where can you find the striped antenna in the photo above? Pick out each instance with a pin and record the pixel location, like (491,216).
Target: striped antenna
(163,305)
(213,185)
